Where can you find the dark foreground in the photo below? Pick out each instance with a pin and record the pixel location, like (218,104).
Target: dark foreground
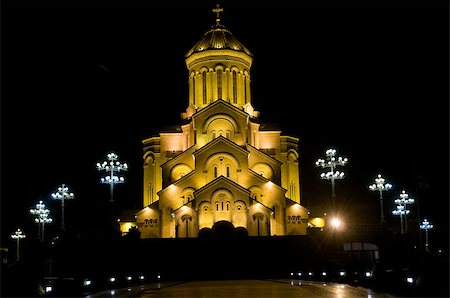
(80,267)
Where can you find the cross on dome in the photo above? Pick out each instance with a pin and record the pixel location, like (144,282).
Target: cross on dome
(217,10)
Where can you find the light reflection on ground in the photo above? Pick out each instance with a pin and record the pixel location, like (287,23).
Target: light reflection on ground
(243,288)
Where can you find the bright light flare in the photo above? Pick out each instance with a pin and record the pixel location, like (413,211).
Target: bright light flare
(336,223)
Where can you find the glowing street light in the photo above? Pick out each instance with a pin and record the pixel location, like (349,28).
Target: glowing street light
(18,235)
(337,223)
(62,194)
(426,225)
(42,217)
(332,162)
(404,200)
(111,167)
(380,186)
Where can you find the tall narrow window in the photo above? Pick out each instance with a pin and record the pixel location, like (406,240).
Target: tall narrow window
(245,89)
(234,86)
(193,89)
(215,171)
(217,206)
(219,84)
(204,87)
(228,171)
(222,205)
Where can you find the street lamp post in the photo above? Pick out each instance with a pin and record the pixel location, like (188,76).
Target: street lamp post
(42,217)
(404,200)
(18,235)
(112,167)
(426,225)
(400,211)
(380,186)
(62,194)
(332,162)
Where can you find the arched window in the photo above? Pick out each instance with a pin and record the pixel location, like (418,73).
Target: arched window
(234,86)
(228,171)
(219,83)
(227,134)
(213,134)
(228,205)
(204,86)
(217,206)
(215,171)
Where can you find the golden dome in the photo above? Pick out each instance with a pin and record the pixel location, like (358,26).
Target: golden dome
(218,38)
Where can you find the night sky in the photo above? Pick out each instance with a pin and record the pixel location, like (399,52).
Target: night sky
(83,78)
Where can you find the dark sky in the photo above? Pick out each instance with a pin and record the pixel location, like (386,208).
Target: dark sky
(83,78)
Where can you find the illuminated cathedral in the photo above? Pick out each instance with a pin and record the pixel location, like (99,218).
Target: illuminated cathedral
(220,165)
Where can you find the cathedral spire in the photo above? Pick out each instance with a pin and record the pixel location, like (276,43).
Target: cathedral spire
(217,10)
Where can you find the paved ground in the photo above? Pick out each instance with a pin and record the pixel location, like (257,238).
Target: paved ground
(243,288)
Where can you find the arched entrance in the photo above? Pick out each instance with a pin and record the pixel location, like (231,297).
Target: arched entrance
(223,229)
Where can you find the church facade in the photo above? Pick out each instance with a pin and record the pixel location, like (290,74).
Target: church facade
(220,165)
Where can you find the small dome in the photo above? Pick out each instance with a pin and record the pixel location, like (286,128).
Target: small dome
(218,38)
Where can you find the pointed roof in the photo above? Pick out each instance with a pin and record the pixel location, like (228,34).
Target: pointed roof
(222,180)
(221,140)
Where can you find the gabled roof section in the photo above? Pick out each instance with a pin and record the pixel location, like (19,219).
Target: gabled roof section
(175,159)
(253,173)
(290,201)
(251,149)
(154,206)
(187,176)
(222,180)
(220,102)
(218,140)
